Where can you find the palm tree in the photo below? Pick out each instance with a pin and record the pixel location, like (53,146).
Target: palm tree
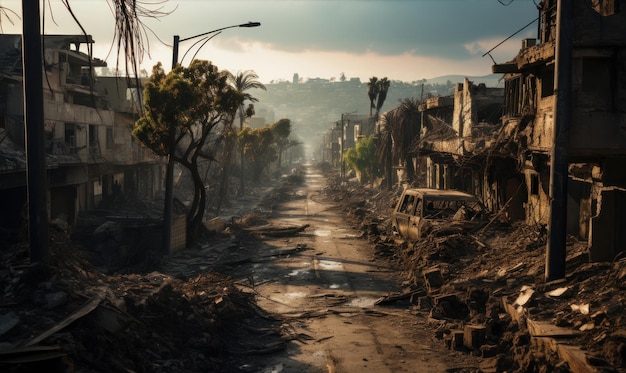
(401,129)
(383,88)
(242,82)
(372,92)
(407,132)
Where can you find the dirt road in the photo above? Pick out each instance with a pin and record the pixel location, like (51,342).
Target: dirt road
(325,287)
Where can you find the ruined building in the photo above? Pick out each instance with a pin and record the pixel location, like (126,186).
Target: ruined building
(497,143)
(596,147)
(90,153)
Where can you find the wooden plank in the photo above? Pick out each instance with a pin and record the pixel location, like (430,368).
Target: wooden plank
(546,329)
(575,358)
(86,309)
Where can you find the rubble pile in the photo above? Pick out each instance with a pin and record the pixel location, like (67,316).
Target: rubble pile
(485,292)
(69,316)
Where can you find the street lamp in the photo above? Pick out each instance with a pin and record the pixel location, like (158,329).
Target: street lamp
(169,175)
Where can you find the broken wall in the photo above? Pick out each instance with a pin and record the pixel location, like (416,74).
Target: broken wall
(607,236)
(474,104)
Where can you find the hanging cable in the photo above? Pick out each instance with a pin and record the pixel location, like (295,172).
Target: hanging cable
(515,33)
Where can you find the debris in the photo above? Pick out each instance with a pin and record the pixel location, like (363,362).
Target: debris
(8,321)
(278,231)
(474,336)
(56,299)
(84,310)
(433,279)
(526,294)
(214,225)
(587,326)
(582,308)
(392,298)
(557,292)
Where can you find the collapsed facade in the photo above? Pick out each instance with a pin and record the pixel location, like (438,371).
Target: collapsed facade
(90,153)
(498,145)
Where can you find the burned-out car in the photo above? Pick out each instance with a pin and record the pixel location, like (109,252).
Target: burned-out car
(422,211)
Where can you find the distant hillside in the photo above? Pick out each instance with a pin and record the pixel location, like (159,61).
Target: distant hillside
(491,80)
(316,106)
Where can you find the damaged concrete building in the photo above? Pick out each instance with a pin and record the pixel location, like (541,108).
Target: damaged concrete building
(463,145)
(497,143)
(90,153)
(596,147)
(349,129)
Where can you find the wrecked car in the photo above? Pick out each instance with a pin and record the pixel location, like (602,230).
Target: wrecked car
(424,211)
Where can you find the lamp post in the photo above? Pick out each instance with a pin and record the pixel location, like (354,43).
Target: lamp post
(169,175)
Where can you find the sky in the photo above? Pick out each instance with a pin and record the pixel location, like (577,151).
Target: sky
(405,40)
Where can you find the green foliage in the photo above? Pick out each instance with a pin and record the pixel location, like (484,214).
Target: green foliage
(162,97)
(362,159)
(281,130)
(377,90)
(258,148)
(194,100)
(265,145)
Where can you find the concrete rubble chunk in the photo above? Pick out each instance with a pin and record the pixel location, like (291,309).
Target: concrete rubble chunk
(8,321)
(457,339)
(433,279)
(583,308)
(525,296)
(557,292)
(474,336)
(56,299)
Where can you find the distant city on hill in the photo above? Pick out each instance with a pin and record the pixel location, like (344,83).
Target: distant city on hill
(315,105)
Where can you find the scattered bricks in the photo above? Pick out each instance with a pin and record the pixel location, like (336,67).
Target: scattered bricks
(475,336)
(425,303)
(443,306)
(477,300)
(456,339)
(450,306)
(496,328)
(433,279)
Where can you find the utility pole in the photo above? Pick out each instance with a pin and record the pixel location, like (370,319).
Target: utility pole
(32,66)
(343,138)
(241,157)
(557,230)
(169,174)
